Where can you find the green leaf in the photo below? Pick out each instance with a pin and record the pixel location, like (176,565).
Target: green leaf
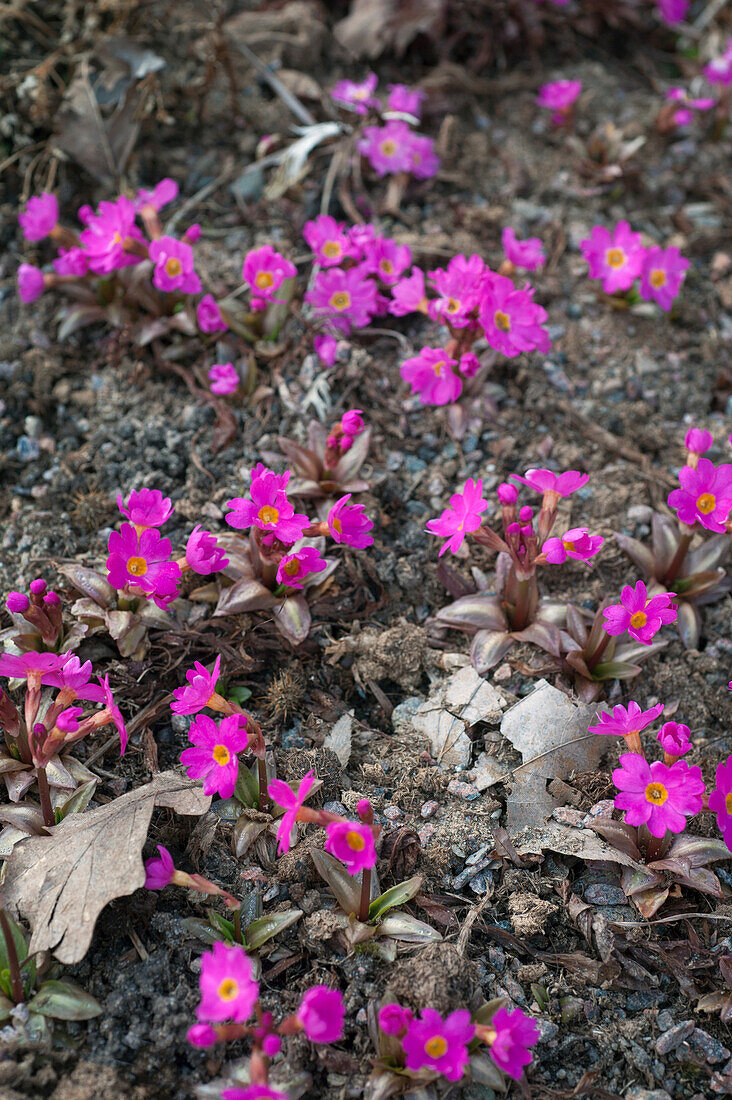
(64,1001)
(346,888)
(221,924)
(200,929)
(396,895)
(78,801)
(246,790)
(264,928)
(6,1007)
(487,1011)
(238,694)
(615,670)
(5,983)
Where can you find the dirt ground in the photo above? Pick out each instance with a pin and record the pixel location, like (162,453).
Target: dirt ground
(91,416)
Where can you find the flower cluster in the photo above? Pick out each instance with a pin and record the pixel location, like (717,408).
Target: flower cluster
(640,614)
(705,494)
(38,615)
(619,258)
(140,561)
(392,147)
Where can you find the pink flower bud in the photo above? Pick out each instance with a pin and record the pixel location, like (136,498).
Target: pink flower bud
(506,493)
(352,422)
(17,603)
(30,282)
(68,720)
(394,1020)
(38,586)
(321,1014)
(201,1035)
(52,599)
(526,514)
(271,1045)
(698,441)
(192,233)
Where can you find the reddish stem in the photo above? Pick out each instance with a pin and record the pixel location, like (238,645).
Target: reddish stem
(45,797)
(16,981)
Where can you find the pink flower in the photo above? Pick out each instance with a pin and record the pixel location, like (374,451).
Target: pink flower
(209,315)
(511,319)
(719,70)
(114,713)
(265,271)
(201,686)
(528,254)
(617,259)
(352,422)
(26,664)
(640,616)
(174,269)
(388,148)
(623,722)
(141,560)
(507,493)
(439,1045)
(423,160)
(31,283)
(577,543)
(253,1092)
(673,11)
(469,364)
(560,485)
(213,757)
(73,676)
(283,795)
(349,524)
(462,517)
(163,193)
(39,217)
(105,235)
(321,1014)
(68,720)
(71,261)
(394,1019)
(326,349)
(705,496)
(224,378)
(146,507)
(720,800)
(360,236)
(513,1033)
(358,96)
(387,259)
(558,96)
(228,989)
(269,509)
(459,290)
(328,240)
(203,553)
(662,275)
(431,375)
(408,295)
(698,441)
(295,568)
(346,298)
(658,795)
(17,603)
(159,872)
(405,101)
(202,1035)
(674,738)
(352,843)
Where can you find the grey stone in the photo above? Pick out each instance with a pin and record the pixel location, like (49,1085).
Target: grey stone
(673,1038)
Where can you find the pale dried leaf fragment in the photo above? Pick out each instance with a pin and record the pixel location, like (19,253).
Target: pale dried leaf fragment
(61,882)
(373,26)
(456,705)
(339,738)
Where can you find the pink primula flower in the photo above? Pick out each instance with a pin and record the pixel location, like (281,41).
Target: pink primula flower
(194,696)
(658,795)
(431,375)
(209,316)
(705,496)
(321,1014)
(265,271)
(719,70)
(640,615)
(228,989)
(146,508)
(388,149)
(114,713)
(352,843)
(326,348)
(720,800)
(625,721)
(163,193)
(577,543)
(469,365)
(439,1045)
(559,485)
(514,1033)
(223,379)
(409,295)
(352,422)
(31,283)
(294,569)
(698,441)
(559,96)
(68,720)
(214,756)
(459,289)
(511,319)
(615,258)
(662,275)
(346,298)
(674,738)
(159,871)
(269,509)
(349,524)
(528,254)
(174,269)
(105,234)
(73,676)
(283,794)
(71,261)
(387,259)
(405,101)
(673,11)
(358,95)
(141,560)
(461,518)
(394,1019)
(39,217)
(424,162)
(203,553)
(328,240)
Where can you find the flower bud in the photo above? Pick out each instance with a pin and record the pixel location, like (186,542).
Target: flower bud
(507,493)
(17,603)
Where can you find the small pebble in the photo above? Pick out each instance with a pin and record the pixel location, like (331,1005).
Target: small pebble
(673,1038)
(462,790)
(709,1048)
(392,813)
(429,809)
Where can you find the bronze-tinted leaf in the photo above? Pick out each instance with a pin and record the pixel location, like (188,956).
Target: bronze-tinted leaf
(91,583)
(488,648)
(292,618)
(245,595)
(637,552)
(475,612)
(688,624)
(543,635)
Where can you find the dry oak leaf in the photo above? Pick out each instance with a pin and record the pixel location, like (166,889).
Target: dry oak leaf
(61,882)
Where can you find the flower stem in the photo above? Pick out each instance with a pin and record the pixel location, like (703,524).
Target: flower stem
(521,607)
(594,658)
(633,742)
(44,794)
(238,938)
(16,981)
(655,848)
(262,777)
(678,559)
(363,908)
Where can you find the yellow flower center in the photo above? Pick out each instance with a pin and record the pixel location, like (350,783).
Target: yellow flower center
(658,277)
(386,266)
(228,990)
(437,367)
(173,266)
(355,841)
(728,803)
(638,620)
(567,545)
(116,239)
(221,755)
(502,320)
(656,793)
(268,514)
(615,257)
(452,305)
(264,280)
(336,525)
(388,148)
(292,568)
(137,567)
(360,93)
(340,300)
(331,249)
(706,503)
(436,1046)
